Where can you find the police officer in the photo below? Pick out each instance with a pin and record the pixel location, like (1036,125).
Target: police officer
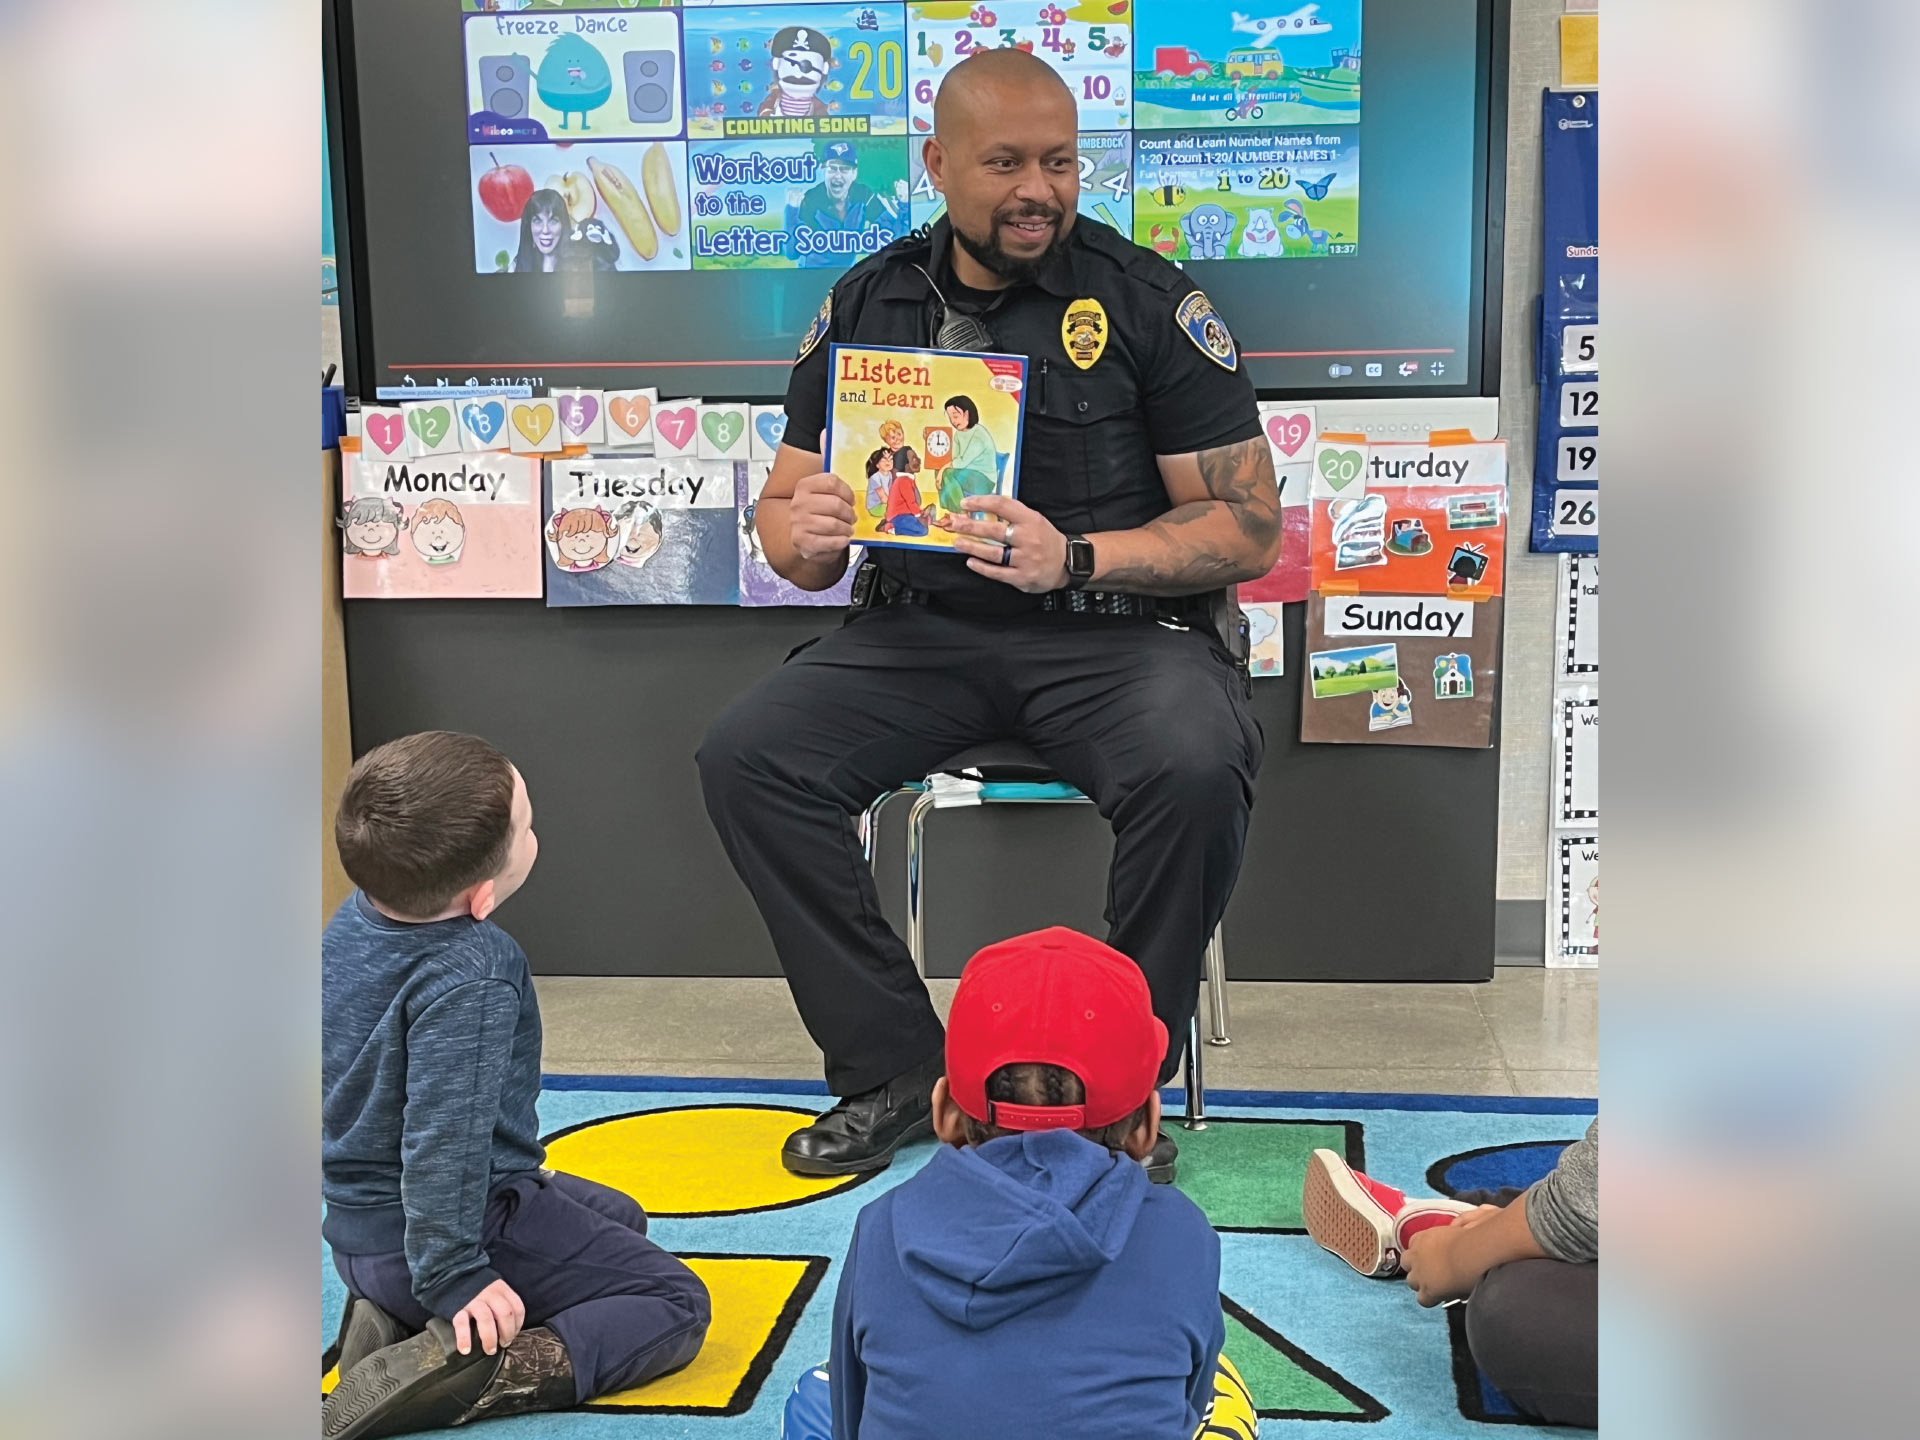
(1077,618)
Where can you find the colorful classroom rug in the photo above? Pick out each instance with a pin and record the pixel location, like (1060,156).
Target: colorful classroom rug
(1322,1349)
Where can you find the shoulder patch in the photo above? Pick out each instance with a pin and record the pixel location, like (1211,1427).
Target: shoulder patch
(817,331)
(1196,316)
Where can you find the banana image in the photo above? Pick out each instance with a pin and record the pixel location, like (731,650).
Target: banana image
(663,196)
(624,201)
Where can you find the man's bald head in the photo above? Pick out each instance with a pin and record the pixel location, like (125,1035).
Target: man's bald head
(1011,85)
(1005,152)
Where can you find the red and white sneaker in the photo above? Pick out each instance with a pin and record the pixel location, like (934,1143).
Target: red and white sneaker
(1365,1223)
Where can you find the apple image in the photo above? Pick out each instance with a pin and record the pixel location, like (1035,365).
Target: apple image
(577,190)
(504,190)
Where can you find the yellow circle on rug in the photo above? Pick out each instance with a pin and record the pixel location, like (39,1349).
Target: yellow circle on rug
(698,1160)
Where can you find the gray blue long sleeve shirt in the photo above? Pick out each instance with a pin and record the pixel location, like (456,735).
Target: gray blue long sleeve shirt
(1563,1206)
(429,1070)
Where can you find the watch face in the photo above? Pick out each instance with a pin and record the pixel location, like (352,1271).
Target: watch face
(1080,558)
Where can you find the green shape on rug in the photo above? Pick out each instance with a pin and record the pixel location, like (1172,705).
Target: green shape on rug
(1285,1381)
(1247,1174)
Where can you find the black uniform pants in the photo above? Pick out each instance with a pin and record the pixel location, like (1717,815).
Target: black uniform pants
(1149,721)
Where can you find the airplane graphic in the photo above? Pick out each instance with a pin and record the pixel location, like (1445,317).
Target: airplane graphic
(1272,29)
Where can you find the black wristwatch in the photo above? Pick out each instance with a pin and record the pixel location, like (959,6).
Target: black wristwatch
(1079,561)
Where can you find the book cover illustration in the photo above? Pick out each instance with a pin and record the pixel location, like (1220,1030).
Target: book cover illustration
(446,527)
(917,432)
(758,583)
(628,530)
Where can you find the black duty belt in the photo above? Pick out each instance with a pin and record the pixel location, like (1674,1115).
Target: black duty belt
(1179,610)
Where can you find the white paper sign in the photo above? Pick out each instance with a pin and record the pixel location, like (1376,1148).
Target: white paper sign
(629,417)
(1339,470)
(1291,431)
(769,429)
(383,430)
(1577,457)
(583,416)
(1481,465)
(1580,350)
(676,428)
(533,427)
(465,480)
(1578,746)
(1573,921)
(1579,404)
(1576,512)
(610,482)
(1577,620)
(1368,616)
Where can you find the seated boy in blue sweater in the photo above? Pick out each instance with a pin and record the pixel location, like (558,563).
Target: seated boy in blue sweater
(1029,1273)
(480,1284)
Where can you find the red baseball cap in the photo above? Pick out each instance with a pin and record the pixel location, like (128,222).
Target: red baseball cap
(1055,997)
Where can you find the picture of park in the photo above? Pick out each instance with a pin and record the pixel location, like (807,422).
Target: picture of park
(1350,671)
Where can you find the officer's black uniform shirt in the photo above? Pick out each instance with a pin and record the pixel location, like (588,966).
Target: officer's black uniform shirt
(1090,435)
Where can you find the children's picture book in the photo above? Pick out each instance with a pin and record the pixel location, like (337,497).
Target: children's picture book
(918,432)
(449,526)
(758,583)
(630,530)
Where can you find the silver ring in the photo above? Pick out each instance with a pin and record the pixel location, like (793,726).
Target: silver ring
(1006,554)
(1009,536)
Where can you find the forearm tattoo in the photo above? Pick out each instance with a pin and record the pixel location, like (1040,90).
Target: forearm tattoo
(1222,540)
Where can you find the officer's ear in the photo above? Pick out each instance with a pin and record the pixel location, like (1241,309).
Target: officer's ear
(934,157)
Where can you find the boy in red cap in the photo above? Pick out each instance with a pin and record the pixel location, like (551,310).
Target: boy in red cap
(1029,1269)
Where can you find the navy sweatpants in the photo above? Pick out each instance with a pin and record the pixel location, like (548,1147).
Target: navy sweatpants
(578,1256)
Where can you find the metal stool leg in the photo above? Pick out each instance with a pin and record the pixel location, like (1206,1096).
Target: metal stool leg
(916,852)
(1192,1065)
(1217,990)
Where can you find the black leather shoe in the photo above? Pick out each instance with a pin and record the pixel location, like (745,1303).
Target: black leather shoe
(1160,1164)
(862,1131)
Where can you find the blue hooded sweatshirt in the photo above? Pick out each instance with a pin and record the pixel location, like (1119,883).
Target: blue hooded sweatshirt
(1035,1282)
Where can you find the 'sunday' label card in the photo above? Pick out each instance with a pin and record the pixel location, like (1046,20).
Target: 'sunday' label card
(916,433)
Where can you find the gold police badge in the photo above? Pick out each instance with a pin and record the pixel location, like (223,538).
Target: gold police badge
(1083,330)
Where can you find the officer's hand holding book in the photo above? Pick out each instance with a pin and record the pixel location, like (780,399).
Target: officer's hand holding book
(820,515)
(1010,542)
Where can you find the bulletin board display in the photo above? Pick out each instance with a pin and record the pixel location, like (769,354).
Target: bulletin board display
(534,180)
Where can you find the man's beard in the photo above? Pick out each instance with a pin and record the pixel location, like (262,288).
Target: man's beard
(990,253)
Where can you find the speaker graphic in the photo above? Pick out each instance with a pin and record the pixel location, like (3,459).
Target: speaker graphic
(504,82)
(650,80)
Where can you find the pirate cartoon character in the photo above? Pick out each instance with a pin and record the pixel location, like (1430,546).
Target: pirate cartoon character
(802,56)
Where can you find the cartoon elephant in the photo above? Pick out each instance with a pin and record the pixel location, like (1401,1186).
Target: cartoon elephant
(1209,232)
(1261,238)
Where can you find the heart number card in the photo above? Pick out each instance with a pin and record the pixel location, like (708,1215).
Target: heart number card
(724,431)
(676,428)
(534,427)
(629,417)
(583,418)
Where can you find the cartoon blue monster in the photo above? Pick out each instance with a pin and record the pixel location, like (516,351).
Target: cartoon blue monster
(573,78)
(1208,228)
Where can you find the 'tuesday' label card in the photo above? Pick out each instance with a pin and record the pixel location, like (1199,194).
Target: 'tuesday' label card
(629,417)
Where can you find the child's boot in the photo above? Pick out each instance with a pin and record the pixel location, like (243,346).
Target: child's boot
(535,1374)
(365,1328)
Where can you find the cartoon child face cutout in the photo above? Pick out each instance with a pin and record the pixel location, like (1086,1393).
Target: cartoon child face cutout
(372,526)
(439,533)
(642,531)
(893,434)
(581,540)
